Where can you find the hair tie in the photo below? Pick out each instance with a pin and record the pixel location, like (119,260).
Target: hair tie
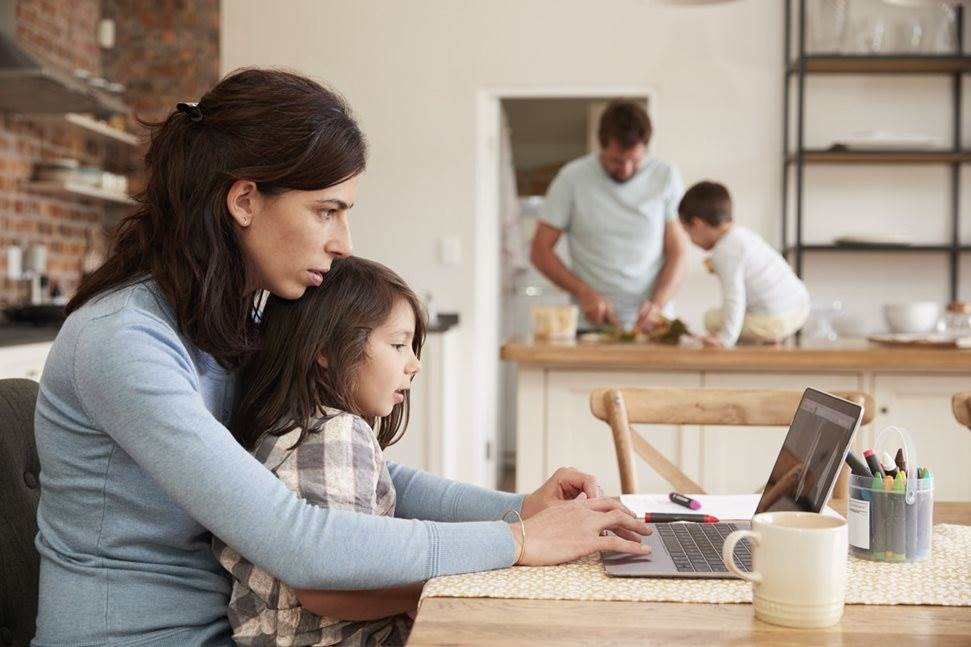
(191,110)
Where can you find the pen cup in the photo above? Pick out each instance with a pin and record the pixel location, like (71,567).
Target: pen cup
(890,525)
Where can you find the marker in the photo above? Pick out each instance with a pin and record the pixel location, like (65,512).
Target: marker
(667,517)
(924,513)
(873,463)
(899,460)
(877,518)
(857,466)
(900,517)
(687,502)
(912,514)
(889,513)
(889,467)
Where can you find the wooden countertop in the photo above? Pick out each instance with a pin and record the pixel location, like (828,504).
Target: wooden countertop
(847,354)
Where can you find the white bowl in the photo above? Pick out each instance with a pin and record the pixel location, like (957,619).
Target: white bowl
(920,316)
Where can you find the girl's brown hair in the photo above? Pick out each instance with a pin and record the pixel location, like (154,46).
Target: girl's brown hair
(275,128)
(283,386)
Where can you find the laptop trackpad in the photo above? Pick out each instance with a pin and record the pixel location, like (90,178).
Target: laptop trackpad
(623,564)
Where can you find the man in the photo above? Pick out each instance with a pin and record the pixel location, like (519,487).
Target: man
(619,210)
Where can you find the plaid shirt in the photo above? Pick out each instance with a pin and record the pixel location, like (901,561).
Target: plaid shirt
(340,466)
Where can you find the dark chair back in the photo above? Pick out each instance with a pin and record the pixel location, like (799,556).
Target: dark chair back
(19,494)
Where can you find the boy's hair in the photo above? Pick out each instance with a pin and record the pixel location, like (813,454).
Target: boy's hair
(708,201)
(283,386)
(626,123)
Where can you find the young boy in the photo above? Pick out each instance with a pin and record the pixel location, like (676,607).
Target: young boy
(762,299)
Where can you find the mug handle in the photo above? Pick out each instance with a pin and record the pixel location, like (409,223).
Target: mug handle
(728,549)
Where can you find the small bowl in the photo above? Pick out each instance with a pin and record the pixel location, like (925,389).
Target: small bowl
(920,316)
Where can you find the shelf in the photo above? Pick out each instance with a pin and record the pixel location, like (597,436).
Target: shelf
(75,189)
(882,157)
(876,248)
(851,64)
(100,129)
(44,90)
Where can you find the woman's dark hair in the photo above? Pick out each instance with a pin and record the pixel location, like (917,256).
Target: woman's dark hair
(626,123)
(709,201)
(283,386)
(277,129)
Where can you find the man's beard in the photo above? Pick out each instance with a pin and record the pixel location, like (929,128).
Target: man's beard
(619,180)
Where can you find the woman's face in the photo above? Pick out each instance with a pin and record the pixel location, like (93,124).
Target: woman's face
(290,239)
(391,364)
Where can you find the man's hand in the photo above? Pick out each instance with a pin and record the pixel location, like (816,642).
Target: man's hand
(596,309)
(710,342)
(647,316)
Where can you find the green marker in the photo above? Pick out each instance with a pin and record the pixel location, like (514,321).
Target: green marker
(877,517)
(899,532)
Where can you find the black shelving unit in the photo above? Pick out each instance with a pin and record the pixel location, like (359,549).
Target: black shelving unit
(796,158)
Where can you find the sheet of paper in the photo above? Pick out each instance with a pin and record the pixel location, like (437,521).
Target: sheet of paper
(736,506)
(724,506)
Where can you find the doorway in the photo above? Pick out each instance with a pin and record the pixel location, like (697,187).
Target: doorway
(525,137)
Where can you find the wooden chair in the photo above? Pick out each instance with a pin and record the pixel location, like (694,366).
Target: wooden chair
(621,407)
(961,405)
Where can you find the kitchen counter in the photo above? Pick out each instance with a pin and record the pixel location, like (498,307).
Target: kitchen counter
(848,354)
(17,334)
(911,388)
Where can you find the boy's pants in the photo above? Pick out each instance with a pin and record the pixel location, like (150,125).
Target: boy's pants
(761,328)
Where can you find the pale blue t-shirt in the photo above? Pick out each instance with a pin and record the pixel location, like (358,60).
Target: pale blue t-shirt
(138,470)
(615,231)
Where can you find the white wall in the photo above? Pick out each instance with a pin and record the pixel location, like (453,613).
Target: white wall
(412,70)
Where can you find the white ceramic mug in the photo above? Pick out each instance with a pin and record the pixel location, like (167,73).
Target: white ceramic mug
(798,567)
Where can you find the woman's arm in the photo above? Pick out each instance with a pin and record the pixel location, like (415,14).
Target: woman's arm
(136,382)
(421,495)
(361,605)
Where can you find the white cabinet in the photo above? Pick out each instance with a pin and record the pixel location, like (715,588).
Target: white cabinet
(555,427)
(430,443)
(23,360)
(921,404)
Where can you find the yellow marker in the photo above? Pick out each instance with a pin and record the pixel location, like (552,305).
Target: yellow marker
(900,517)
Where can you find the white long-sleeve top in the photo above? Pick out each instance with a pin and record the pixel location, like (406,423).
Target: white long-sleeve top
(754,279)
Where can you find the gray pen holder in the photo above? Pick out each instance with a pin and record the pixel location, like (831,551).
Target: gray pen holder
(890,525)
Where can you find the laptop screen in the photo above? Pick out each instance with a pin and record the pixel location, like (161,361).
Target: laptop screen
(812,454)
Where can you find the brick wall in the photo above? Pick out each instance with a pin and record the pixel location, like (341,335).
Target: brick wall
(164,52)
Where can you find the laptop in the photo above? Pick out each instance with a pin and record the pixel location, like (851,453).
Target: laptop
(802,478)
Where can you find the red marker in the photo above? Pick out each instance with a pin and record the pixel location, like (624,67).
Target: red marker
(667,517)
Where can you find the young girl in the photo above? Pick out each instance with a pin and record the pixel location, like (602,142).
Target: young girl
(327,392)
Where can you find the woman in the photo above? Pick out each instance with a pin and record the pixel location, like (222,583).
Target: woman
(249,190)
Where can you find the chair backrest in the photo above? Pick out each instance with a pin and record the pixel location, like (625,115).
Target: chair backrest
(961,405)
(717,407)
(19,494)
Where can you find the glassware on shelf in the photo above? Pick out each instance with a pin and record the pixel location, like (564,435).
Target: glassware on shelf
(819,327)
(827,25)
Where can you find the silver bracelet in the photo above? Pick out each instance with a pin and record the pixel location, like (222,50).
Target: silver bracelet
(522,529)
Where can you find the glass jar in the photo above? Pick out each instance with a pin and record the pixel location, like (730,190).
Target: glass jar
(957,319)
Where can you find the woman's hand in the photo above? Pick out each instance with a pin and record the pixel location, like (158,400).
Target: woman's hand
(566,484)
(563,533)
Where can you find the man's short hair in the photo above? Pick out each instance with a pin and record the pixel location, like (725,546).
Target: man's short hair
(708,201)
(626,123)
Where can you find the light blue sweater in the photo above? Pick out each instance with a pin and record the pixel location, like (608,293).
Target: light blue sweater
(137,469)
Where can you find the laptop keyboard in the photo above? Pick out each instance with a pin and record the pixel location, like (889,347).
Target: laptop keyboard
(697,547)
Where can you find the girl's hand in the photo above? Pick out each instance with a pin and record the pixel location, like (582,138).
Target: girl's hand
(563,533)
(564,485)
(710,342)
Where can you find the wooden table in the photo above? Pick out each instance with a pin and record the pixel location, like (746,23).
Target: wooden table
(485,621)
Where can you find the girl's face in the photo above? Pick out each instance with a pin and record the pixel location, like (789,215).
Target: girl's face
(290,239)
(390,365)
